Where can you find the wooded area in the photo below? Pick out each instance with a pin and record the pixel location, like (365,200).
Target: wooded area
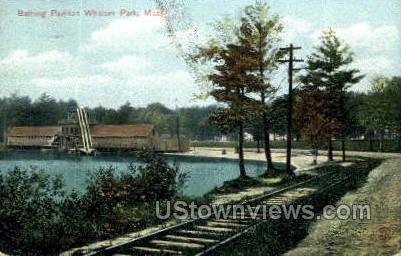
(371,115)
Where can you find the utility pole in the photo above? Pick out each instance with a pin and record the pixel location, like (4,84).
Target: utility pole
(4,129)
(178,126)
(291,69)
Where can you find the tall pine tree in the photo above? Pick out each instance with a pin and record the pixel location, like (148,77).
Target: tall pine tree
(328,70)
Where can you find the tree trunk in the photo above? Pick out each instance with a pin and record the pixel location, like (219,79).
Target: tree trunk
(330,151)
(381,141)
(399,143)
(4,130)
(266,136)
(344,122)
(258,145)
(343,148)
(241,150)
(315,155)
(370,141)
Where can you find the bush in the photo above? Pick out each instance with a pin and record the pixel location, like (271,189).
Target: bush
(3,147)
(38,217)
(29,210)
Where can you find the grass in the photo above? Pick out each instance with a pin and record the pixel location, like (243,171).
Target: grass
(242,183)
(280,180)
(275,237)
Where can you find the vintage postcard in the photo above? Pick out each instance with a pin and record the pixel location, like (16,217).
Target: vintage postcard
(200,127)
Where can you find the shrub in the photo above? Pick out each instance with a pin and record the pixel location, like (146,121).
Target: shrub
(38,217)
(30,214)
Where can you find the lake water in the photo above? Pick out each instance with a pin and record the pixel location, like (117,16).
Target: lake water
(204,174)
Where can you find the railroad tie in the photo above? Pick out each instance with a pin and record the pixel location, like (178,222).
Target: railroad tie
(225,224)
(191,239)
(198,233)
(184,245)
(152,250)
(214,229)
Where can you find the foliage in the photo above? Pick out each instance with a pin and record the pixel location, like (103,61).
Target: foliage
(327,66)
(229,60)
(328,70)
(313,117)
(38,217)
(259,35)
(22,111)
(30,212)
(194,121)
(3,148)
(393,90)
(242,57)
(381,108)
(379,113)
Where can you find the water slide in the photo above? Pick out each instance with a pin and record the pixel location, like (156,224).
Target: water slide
(85,131)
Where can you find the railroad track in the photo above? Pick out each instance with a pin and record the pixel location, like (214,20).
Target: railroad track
(205,236)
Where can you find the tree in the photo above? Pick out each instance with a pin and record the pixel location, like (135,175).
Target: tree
(124,113)
(314,119)
(379,115)
(231,87)
(393,91)
(259,34)
(231,84)
(278,114)
(354,106)
(162,117)
(45,111)
(327,69)
(255,128)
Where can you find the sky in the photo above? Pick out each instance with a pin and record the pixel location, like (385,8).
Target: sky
(110,60)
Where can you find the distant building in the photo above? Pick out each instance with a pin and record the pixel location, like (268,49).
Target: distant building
(221,138)
(139,136)
(276,136)
(68,136)
(33,137)
(248,136)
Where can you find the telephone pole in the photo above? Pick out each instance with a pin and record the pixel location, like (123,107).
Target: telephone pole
(291,69)
(178,126)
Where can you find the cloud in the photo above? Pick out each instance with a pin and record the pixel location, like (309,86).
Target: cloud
(374,46)
(20,63)
(363,35)
(297,25)
(127,65)
(163,87)
(295,28)
(373,64)
(21,57)
(380,38)
(139,33)
(127,60)
(56,72)
(74,82)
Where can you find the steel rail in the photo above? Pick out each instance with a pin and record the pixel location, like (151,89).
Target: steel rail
(216,246)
